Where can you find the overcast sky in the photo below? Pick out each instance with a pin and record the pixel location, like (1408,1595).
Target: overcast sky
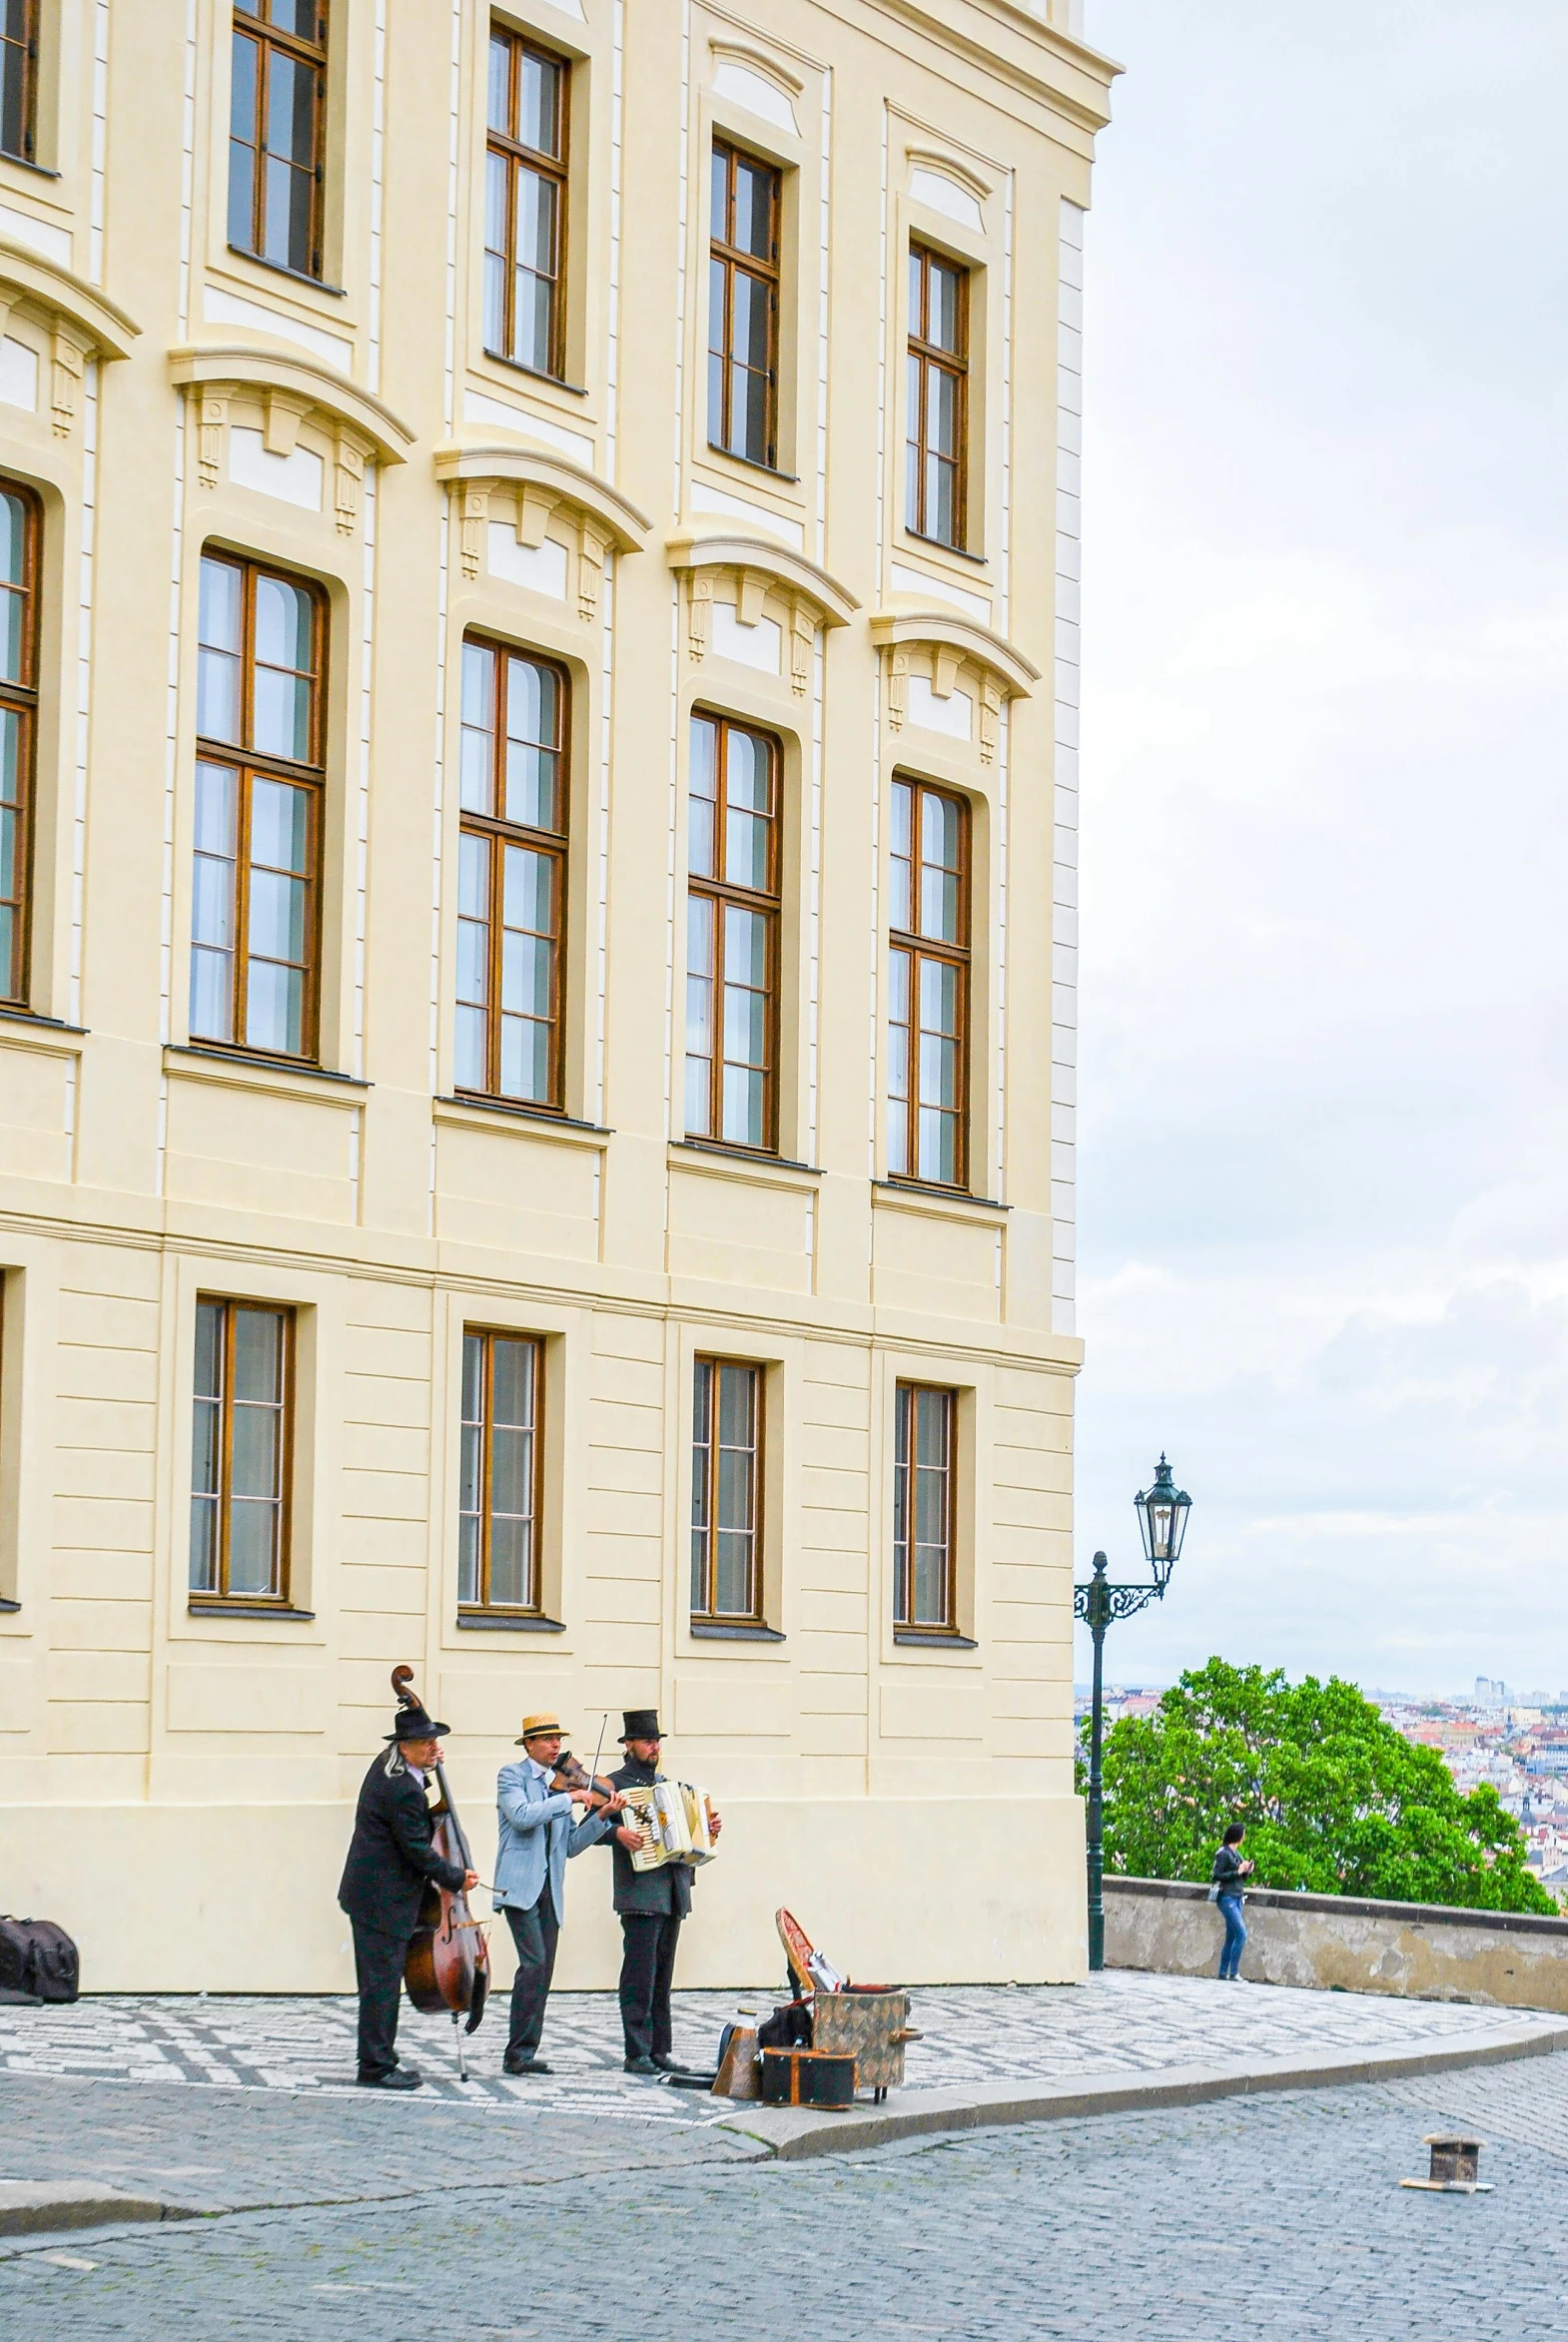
(1324,1071)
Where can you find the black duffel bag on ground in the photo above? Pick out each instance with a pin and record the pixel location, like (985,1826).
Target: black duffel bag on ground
(39,1960)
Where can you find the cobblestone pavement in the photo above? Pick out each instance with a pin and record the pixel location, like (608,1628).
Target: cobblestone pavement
(1263,2219)
(1123,2021)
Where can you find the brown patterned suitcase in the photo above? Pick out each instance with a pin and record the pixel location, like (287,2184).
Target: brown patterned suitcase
(870,2026)
(807,2078)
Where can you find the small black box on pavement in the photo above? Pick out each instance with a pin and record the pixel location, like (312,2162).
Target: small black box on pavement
(807,2078)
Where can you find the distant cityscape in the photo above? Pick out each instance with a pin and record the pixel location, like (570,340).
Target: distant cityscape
(1518,1740)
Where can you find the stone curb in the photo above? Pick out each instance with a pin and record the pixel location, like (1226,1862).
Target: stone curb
(32,2208)
(792,2133)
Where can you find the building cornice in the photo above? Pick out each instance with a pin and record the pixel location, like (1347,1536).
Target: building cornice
(1079,91)
(105,327)
(242,365)
(795,576)
(558,479)
(969,639)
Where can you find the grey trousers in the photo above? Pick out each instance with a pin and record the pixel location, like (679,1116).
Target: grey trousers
(535,1933)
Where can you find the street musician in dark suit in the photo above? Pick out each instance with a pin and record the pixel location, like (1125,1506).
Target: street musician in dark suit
(650,1905)
(391,1862)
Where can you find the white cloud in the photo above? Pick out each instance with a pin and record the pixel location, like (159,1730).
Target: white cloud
(1324,1122)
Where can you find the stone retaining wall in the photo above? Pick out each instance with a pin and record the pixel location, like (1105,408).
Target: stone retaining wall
(1418,1951)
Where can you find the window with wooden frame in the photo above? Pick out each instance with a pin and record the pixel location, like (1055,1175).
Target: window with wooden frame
(18,727)
(241,1451)
(19,79)
(526,205)
(501,1479)
(732,935)
(260,782)
(277,132)
(927,987)
(743,305)
(924,1483)
(512,876)
(726,1492)
(935,496)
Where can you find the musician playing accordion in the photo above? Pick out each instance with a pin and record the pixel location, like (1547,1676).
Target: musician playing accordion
(651,1904)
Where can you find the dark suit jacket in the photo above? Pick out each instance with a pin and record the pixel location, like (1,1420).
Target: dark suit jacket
(390,1857)
(647,1892)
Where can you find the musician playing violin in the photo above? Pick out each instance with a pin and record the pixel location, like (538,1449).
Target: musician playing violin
(546,1816)
(391,1862)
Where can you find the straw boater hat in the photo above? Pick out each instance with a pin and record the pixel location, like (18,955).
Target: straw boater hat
(533,1725)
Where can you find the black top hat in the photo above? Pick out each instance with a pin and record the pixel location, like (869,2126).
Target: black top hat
(414,1724)
(640,1724)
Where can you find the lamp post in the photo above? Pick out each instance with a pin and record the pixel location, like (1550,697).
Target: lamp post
(1162,1518)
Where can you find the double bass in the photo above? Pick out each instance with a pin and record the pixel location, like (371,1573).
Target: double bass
(449,1963)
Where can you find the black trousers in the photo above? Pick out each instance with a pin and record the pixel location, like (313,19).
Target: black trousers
(535,1934)
(646,1968)
(378,1967)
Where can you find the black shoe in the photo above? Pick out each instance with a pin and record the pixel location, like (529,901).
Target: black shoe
(643,2066)
(512,2064)
(397,2077)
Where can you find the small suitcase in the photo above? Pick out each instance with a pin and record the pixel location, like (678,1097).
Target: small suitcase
(807,2078)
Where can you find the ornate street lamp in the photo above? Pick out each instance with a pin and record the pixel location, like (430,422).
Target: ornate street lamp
(1162,1519)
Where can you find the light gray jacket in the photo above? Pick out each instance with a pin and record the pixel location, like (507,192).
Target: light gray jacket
(537,1837)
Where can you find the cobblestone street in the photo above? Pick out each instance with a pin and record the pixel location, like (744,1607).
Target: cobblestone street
(1126,2023)
(582,2207)
(1276,2217)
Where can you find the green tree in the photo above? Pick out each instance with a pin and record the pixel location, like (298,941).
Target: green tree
(1334,1800)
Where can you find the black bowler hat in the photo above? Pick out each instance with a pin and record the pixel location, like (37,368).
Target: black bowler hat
(414,1724)
(640,1724)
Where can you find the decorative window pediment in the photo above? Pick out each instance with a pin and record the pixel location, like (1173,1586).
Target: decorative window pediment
(289,392)
(952,645)
(81,322)
(814,599)
(541,485)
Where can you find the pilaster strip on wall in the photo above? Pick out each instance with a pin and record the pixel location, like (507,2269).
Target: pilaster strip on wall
(378,192)
(1064,889)
(601,928)
(455,110)
(186,174)
(814,896)
(824,265)
(618,161)
(1004,848)
(683,214)
(361,875)
(1005,547)
(669,878)
(438,817)
(95,215)
(876,708)
(84,677)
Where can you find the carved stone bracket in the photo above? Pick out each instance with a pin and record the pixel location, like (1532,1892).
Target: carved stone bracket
(952,644)
(542,486)
(812,598)
(290,393)
(82,326)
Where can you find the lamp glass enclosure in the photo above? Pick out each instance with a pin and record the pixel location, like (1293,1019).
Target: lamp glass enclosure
(1162,1520)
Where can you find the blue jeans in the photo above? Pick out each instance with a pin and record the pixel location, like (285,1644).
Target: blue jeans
(1236,1935)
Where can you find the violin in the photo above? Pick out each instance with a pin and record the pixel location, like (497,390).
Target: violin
(449,1963)
(570,1772)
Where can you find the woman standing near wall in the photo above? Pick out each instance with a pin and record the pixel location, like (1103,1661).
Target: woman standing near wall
(1231,1867)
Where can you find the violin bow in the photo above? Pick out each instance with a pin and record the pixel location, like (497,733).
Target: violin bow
(594,1769)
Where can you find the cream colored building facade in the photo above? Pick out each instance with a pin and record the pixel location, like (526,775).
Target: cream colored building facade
(351,438)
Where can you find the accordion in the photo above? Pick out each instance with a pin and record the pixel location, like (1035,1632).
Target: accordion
(679,1819)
